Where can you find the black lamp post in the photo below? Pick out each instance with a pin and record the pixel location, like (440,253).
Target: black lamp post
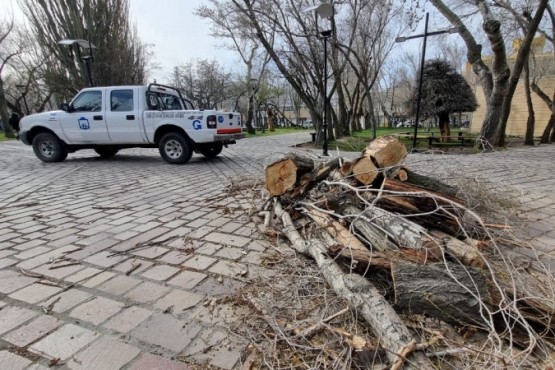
(324,10)
(23,90)
(87,59)
(421,80)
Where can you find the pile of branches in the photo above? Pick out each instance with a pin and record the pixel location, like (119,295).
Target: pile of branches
(395,245)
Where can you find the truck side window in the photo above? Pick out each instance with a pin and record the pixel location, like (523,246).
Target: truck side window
(121,100)
(89,101)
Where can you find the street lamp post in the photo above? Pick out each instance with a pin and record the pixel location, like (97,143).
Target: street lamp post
(324,10)
(421,80)
(23,90)
(87,59)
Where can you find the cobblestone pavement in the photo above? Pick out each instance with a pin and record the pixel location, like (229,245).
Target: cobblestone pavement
(109,264)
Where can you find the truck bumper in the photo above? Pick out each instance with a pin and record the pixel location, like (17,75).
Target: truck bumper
(23,137)
(228,137)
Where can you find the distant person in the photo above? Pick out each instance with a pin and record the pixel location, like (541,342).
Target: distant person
(14,122)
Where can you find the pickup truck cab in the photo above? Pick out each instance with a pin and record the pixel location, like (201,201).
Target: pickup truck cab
(108,119)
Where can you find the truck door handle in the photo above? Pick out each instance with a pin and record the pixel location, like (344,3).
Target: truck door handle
(97,118)
(130,117)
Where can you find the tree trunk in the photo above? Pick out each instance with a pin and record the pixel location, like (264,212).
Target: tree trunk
(444,127)
(531,122)
(365,171)
(521,59)
(8,131)
(449,294)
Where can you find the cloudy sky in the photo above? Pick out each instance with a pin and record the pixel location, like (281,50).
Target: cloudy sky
(176,34)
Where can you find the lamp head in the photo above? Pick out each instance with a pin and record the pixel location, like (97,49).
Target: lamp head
(324,10)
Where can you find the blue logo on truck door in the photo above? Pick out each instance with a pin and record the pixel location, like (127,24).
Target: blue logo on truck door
(220,119)
(197,125)
(84,123)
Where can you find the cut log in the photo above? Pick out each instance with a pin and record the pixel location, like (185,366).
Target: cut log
(464,251)
(283,174)
(429,183)
(397,173)
(387,151)
(447,291)
(430,209)
(360,293)
(365,171)
(309,180)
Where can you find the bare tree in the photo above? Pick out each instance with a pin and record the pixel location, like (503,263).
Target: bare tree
(499,82)
(9,49)
(119,58)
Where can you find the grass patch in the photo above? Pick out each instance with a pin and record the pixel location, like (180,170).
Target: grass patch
(4,138)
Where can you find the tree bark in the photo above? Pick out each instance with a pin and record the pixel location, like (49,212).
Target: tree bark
(550,103)
(531,122)
(444,127)
(447,291)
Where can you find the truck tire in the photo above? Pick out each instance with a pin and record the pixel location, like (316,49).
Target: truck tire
(175,148)
(48,148)
(106,152)
(210,150)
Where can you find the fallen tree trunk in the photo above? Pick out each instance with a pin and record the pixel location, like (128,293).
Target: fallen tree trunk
(365,171)
(361,295)
(447,291)
(308,180)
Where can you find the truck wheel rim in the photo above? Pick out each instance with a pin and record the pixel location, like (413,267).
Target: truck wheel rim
(173,149)
(47,148)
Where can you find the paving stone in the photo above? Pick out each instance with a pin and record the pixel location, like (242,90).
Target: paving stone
(30,244)
(106,353)
(230,253)
(214,288)
(11,281)
(66,300)
(82,275)
(200,232)
(105,259)
(32,331)
(141,238)
(187,279)
(11,361)
(7,252)
(64,342)
(166,331)
(35,293)
(152,252)
(58,270)
(37,366)
(97,279)
(97,311)
(146,361)
(174,257)
(229,239)
(119,285)
(160,272)
(209,249)
(128,319)
(147,292)
(30,253)
(45,257)
(131,264)
(126,235)
(178,301)
(257,245)
(11,317)
(6,262)
(228,268)
(199,262)
(221,353)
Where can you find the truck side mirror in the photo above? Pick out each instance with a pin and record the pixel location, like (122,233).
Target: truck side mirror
(65,107)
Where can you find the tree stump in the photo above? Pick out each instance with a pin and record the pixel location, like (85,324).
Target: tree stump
(282,175)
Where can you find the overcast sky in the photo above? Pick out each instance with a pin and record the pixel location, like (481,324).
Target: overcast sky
(177,35)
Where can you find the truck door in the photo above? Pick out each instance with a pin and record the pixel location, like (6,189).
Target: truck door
(123,118)
(85,123)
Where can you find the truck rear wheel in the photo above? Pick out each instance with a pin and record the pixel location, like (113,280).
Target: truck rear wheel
(210,150)
(106,152)
(175,148)
(48,148)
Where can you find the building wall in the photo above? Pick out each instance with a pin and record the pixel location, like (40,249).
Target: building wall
(516,125)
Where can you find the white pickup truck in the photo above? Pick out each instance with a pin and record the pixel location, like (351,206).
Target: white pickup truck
(108,119)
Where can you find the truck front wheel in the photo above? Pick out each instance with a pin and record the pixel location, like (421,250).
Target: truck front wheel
(48,148)
(210,150)
(175,148)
